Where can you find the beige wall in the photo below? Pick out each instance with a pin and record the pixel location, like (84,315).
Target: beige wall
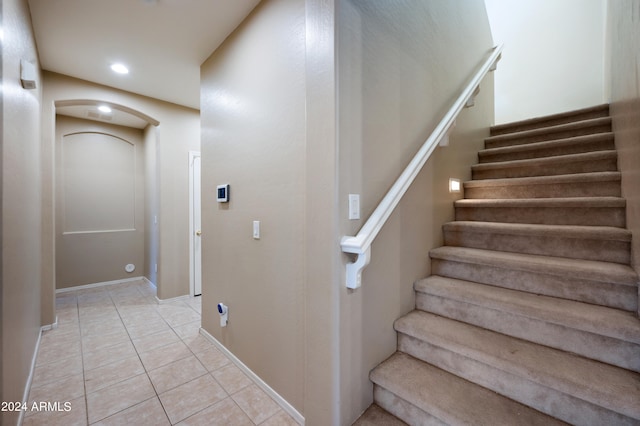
(253,138)
(322,393)
(553,56)
(269,129)
(623,31)
(21,206)
(99,202)
(177,134)
(400,68)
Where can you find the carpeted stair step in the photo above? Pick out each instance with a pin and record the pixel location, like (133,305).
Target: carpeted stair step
(596,332)
(597,184)
(604,243)
(561,131)
(552,120)
(421,394)
(574,145)
(566,386)
(587,211)
(599,161)
(589,281)
(376,416)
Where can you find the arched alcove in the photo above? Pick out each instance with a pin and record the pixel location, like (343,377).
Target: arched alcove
(120,114)
(94,143)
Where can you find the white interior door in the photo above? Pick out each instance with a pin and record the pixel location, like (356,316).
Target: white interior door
(196,235)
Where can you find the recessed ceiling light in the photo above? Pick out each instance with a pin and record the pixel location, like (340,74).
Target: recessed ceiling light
(104,108)
(120,69)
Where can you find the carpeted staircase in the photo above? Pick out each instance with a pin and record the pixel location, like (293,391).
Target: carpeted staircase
(530,316)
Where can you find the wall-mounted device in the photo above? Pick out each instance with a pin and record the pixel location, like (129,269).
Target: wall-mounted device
(223,193)
(223,310)
(27,74)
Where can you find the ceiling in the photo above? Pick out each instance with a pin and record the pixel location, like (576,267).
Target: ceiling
(163,42)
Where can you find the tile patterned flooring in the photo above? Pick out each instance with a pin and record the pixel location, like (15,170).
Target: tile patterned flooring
(120,358)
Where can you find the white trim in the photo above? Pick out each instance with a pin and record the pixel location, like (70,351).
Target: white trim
(148,281)
(50,326)
(288,408)
(361,243)
(27,388)
(94,285)
(99,231)
(163,301)
(192,156)
(173,299)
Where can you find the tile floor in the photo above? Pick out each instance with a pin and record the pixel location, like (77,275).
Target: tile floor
(120,358)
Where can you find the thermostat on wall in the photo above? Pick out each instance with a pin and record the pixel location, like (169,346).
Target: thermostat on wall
(223,193)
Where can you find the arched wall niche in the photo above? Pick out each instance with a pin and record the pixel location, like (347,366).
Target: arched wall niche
(100,203)
(121,114)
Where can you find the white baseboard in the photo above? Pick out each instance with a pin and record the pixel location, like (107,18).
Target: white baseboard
(283,403)
(50,326)
(151,283)
(94,285)
(32,369)
(173,299)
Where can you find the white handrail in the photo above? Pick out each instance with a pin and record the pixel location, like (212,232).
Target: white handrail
(361,243)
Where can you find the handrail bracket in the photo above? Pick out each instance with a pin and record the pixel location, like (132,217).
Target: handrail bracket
(354,270)
(472,100)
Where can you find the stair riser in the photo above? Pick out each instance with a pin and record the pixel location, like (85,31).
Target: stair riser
(554,169)
(574,248)
(546,122)
(565,149)
(601,348)
(552,190)
(504,140)
(565,287)
(402,409)
(595,216)
(517,387)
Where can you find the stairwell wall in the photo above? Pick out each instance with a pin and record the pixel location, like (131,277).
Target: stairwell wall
(400,67)
(623,41)
(553,56)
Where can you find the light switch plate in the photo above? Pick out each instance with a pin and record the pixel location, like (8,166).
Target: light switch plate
(256,229)
(354,206)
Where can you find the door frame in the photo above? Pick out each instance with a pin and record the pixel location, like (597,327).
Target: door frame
(192,231)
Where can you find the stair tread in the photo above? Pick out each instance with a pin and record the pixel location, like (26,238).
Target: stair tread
(456,400)
(611,387)
(541,119)
(552,129)
(556,159)
(592,270)
(540,230)
(543,202)
(594,319)
(545,180)
(547,144)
